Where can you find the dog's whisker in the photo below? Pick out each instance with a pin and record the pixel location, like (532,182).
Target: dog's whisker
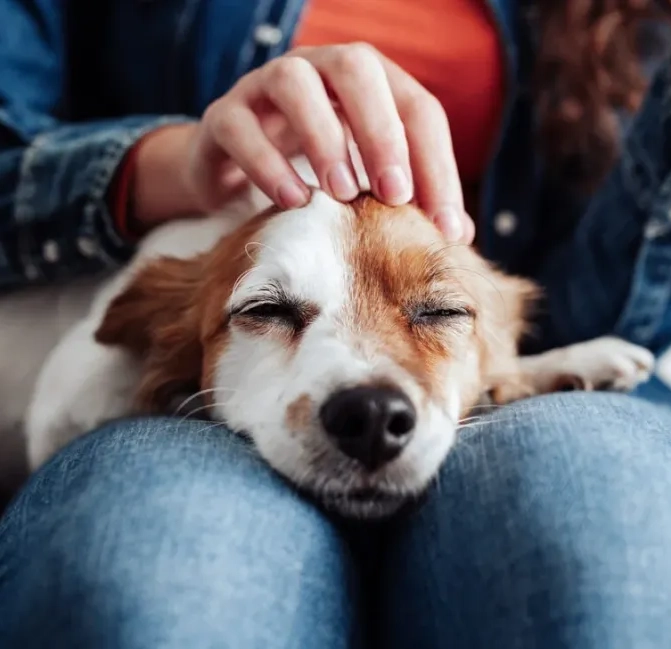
(247,449)
(194,411)
(216,404)
(201,393)
(486,406)
(210,426)
(466,420)
(477,424)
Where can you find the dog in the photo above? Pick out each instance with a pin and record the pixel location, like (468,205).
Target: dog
(347,341)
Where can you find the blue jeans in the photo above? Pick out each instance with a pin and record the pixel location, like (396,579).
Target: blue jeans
(549,527)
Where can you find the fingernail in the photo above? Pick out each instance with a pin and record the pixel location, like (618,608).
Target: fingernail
(449,221)
(393,186)
(291,195)
(341,182)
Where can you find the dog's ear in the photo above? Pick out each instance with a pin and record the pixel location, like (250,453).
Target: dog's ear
(157,319)
(504,303)
(506,319)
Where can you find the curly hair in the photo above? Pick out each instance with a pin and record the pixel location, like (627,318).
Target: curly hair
(587,68)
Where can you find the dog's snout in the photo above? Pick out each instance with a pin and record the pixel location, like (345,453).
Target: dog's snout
(370,424)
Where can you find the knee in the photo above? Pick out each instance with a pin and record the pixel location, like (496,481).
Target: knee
(578,427)
(593,450)
(161,474)
(146,515)
(155,462)
(550,511)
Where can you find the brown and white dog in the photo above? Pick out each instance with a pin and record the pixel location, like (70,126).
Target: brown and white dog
(347,340)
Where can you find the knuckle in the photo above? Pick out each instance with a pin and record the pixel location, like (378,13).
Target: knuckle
(422,104)
(286,72)
(385,147)
(214,114)
(316,145)
(266,167)
(319,147)
(366,49)
(434,107)
(355,58)
(222,121)
(209,115)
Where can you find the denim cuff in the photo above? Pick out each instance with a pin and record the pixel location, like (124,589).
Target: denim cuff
(62,219)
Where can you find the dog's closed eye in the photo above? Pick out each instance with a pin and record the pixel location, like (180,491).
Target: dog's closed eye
(285,311)
(435,314)
(259,315)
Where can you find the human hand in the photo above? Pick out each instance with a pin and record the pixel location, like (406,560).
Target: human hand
(311,99)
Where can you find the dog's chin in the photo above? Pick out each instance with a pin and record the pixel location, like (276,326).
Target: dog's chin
(368,504)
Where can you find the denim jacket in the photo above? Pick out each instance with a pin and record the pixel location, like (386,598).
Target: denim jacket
(81,81)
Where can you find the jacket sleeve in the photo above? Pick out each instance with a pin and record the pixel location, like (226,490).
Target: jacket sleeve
(55,176)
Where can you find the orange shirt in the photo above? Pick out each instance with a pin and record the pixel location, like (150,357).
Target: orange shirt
(450,46)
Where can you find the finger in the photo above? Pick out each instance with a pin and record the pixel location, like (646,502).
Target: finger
(236,129)
(358,80)
(295,88)
(438,186)
(437,183)
(468,229)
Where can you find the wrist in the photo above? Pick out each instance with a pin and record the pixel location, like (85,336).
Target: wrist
(159,189)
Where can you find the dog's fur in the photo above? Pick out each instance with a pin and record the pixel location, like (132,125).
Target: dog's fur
(265,315)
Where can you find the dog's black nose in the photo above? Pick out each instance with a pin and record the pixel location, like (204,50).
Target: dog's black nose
(370,424)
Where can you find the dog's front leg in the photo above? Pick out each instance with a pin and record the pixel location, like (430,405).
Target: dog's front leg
(605,363)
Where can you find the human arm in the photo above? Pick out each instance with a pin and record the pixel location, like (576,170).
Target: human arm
(57,177)
(55,174)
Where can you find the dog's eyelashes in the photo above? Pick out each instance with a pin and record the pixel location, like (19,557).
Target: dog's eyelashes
(445,313)
(284,314)
(287,314)
(271,310)
(436,315)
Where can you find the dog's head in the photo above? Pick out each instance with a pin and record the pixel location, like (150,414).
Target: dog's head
(346,340)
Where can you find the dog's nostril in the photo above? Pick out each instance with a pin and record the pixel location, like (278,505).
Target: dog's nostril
(369,424)
(401,423)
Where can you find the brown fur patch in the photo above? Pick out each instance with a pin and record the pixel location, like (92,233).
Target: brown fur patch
(399,259)
(299,413)
(171,316)
(157,318)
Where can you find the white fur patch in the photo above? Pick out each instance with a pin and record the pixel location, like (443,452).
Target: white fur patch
(303,251)
(607,362)
(258,377)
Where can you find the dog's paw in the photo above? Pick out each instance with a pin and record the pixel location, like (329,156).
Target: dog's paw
(606,363)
